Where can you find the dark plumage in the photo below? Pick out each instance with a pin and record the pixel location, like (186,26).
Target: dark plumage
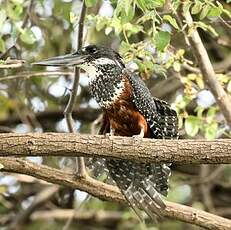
(129,110)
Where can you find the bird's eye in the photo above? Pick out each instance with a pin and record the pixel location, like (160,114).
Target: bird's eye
(91,49)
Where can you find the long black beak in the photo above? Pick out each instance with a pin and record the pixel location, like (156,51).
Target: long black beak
(66,60)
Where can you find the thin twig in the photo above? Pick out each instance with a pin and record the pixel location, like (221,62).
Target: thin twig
(92,216)
(42,197)
(211,178)
(96,122)
(191,68)
(225,22)
(206,189)
(12,63)
(81,171)
(27,75)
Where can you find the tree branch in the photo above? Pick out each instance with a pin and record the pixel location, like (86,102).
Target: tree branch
(54,115)
(29,74)
(222,98)
(92,216)
(145,150)
(11,64)
(110,193)
(42,197)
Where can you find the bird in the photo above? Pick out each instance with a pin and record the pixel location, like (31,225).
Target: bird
(130,110)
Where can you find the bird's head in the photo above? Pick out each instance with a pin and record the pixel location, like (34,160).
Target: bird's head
(91,58)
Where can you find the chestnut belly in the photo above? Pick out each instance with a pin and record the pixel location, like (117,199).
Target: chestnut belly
(126,120)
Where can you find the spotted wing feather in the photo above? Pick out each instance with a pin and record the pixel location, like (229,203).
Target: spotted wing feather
(133,180)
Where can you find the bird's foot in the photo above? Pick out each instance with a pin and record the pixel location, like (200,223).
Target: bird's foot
(137,138)
(111,134)
(108,135)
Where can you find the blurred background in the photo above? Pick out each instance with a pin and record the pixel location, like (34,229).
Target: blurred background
(153,40)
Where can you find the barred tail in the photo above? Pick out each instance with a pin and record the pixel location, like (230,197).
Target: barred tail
(159,175)
(141,184)
(99,170)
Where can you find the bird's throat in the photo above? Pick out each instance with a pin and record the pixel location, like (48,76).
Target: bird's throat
(106,83)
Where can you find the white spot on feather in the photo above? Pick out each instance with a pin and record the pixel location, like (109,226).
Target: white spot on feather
(118,91)
(103,61)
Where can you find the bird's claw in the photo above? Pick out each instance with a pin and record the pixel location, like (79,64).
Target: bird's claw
(137,138)
(108,135)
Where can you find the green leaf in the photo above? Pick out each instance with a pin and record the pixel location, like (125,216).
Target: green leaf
(131,29)
(162,39)
(196,7)
(192,125)
(116,24)
(124,10)
(124,47)
(215,12)
(127,6)
(184,102)
(2,45)
(72,17)
(211,130)
(27,36)
(141,4)
(176,66)
(128,16)
(90,3)
(171,20)
(206,27)
(211,114)
(152,4)
(120,6)
(101,22)
(205,11)
(108,30)
(199,111)
(14,11)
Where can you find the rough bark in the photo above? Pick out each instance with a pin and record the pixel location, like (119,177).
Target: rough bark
(144,150)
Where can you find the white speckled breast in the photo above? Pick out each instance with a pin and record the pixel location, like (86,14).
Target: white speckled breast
(106,81)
